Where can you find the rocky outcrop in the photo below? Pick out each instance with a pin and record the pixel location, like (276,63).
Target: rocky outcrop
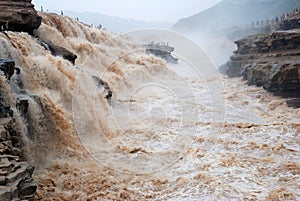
(269,60)
(167,56)
(22,105)
(59,51)
(15,176)
(18,15)
(63,52)
(100,83)
(162,50)
(290,23)
(7,66)
(16,182)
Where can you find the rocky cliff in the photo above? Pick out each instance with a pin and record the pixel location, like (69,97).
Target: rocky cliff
(270,60)
(16,182)
(18,15)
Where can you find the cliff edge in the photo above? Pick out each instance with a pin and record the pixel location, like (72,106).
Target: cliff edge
(270,60)
(18,15)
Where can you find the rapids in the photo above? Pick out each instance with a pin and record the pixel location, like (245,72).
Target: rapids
(159,137)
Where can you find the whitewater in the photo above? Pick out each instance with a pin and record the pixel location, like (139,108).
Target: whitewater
(167,133)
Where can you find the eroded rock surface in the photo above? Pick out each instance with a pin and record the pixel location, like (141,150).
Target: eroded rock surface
(269,60)
(15,175)
(18,15)
(16,182)
(7,66)
(59,51)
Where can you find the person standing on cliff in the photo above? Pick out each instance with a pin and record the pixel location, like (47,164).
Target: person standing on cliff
(61,12)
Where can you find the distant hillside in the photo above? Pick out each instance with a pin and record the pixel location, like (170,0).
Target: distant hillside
(115,24)
(230,13)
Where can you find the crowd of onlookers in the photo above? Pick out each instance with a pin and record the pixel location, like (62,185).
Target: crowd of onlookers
(277,19)
(62,13)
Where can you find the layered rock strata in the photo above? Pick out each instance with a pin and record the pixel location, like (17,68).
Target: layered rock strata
(18,15)
(269,60)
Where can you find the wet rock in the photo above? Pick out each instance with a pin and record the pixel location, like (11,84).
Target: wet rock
(9,157)
(16,181)
(5,112)
(59,51)
(294,103)
(5,165)
(109,95)
(5,194)
(22,105)
(100,83)
(162,50)
(17,15)
(27,188)
(18,70)
(8,67)
(270,60)
(2,180)
(163,54)
(3,133)
(15,151)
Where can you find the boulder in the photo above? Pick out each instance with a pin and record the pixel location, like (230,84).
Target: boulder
(8,67)
(27,188)
(18,15)
(5,111)
(22,105)
(63,52)
(59,51)
(100,83)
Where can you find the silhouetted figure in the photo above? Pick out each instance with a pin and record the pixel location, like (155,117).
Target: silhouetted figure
(41,8)
(283,16)
(61,12)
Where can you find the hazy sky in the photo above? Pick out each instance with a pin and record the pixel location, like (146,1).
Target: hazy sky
(149,10)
